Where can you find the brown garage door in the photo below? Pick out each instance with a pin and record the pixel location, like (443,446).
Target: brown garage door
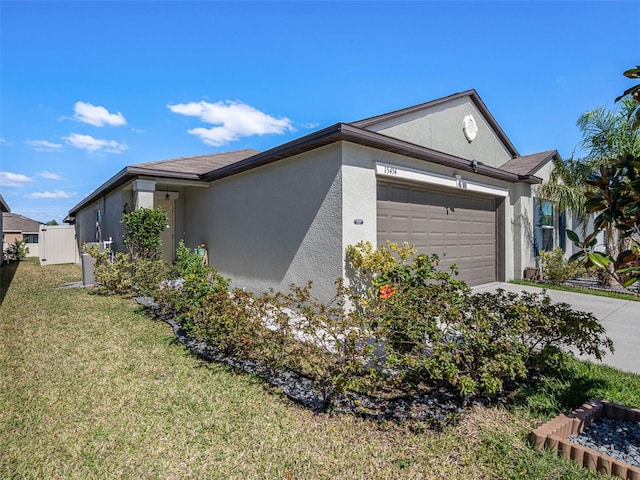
(459,228)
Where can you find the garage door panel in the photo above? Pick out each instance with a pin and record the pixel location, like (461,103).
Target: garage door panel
(459,228)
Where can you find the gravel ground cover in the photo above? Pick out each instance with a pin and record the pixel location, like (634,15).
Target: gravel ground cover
(616,438)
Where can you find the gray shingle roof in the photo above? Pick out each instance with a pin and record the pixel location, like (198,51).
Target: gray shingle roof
(12,222)
(199,164)
(529,164)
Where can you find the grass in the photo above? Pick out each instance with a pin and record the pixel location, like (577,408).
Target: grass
(90,387)
(588,291)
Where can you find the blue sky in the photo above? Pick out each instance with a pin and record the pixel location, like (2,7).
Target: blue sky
(90,87)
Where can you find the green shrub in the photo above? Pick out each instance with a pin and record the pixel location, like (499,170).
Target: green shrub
(111,276)
(143,228)
(16,251)
(148,275)
(323,341)
(188,261)
(557,270)
(435,328)
(199,286)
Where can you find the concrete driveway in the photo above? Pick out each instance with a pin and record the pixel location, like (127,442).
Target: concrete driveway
(621,319)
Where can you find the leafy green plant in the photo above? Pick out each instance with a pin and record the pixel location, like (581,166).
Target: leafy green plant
(436,329)
(188,261)
(16,251)
(112,275)
(556,269)
(149,274)
(143,228)
(324,341)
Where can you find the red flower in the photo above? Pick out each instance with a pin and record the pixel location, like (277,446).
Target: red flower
(386,291)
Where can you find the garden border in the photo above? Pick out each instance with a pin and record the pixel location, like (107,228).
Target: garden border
(554,436)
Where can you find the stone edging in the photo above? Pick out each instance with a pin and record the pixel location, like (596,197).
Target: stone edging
(554,436)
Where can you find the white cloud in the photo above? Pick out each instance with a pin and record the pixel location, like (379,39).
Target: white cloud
(54,194)
(50,175)
(8,179)
(44,145)
(91,144)
(235,120)
(5,141)
(97,116)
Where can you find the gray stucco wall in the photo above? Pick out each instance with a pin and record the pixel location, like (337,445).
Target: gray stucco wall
(273,225)
(85,223)
(440,128)
(111,207)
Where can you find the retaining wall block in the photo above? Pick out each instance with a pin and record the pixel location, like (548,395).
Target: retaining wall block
(619,469)
(633,473)
(577,454)
(590,459)
(604,465)
(564,448)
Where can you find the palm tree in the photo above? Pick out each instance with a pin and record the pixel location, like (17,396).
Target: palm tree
(566,187)
(606,136)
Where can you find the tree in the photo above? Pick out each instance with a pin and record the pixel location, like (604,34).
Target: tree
(566,188)
(606,135)
(52,223)
(633,92)
(615,195)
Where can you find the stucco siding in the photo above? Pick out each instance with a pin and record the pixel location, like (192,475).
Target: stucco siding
(440,128)
(273,225)
(86,223)
(112,226)
(111,207)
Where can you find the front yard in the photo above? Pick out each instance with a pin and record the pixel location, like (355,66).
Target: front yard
(90,387)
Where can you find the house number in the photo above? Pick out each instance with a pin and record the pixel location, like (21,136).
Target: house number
(390,170)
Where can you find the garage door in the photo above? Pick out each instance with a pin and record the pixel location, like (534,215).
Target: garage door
(459,228)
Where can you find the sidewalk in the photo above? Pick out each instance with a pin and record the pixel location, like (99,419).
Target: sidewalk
(621,319)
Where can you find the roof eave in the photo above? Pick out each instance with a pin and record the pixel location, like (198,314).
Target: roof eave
(124,176)
(4,206)
(351,133)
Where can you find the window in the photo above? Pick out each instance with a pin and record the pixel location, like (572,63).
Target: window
(30,237)
(549,227)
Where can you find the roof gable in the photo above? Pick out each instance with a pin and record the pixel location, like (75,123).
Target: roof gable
(438,125)
(530,164)
(12,222)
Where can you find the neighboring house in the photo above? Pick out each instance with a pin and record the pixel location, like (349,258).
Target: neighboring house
(441,175)
(17,227)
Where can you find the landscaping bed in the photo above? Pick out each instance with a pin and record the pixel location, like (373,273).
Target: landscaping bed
(610,452)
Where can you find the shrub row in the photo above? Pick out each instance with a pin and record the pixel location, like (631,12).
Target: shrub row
(400,323)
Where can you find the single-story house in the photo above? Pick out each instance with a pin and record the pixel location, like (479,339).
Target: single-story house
(18,227)
(441,175)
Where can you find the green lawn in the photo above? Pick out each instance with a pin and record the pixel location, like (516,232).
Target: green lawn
(90,387)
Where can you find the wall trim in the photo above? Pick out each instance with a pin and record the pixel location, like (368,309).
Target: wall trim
(388,170)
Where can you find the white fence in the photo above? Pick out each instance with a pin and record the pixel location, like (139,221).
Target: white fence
(58,245)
